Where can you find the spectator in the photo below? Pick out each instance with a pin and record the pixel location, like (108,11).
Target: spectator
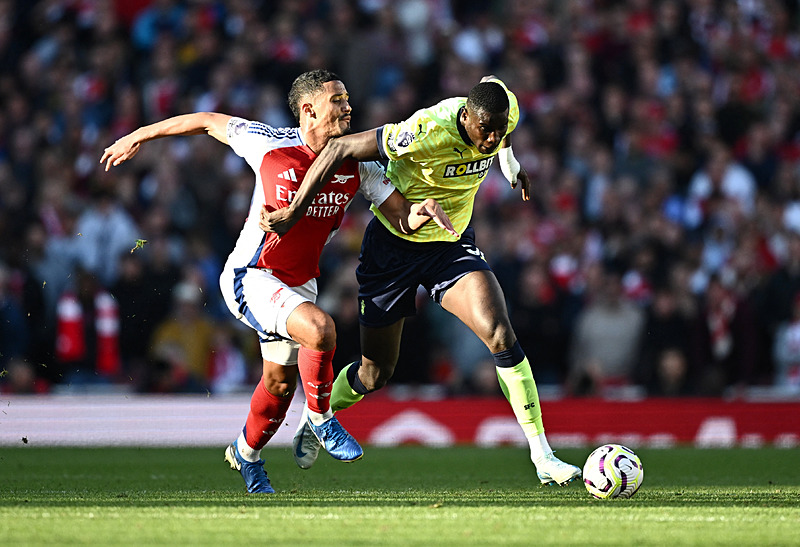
(663,367)
(227,367)
(605,344)
(19,377)
(615,99)
(140,312)
(787,352)
(105,231)
(182,344)
(721,185)
(724,339)
(540,323)
(14,332)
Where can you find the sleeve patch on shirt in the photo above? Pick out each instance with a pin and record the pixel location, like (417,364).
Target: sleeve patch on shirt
(240,127)
(405,139)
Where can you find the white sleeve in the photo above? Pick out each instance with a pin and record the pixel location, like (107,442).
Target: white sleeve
(250,140)
(375,185)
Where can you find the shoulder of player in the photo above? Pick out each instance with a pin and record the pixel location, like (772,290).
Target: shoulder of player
(242,127)
(440,120)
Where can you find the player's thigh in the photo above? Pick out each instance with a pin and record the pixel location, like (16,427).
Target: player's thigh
(388,275)
(264,303)
(478,301)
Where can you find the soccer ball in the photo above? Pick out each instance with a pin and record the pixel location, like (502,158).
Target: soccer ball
(613,471)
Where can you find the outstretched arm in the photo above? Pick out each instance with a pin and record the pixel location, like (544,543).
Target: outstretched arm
(359,146)
(187,124)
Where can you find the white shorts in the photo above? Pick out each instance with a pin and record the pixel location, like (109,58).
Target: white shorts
(263,302)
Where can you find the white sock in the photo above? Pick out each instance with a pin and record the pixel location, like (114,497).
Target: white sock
(247,453)
(539,447)
(319,419)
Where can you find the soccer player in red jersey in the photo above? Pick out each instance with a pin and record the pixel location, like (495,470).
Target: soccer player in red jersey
(269,281)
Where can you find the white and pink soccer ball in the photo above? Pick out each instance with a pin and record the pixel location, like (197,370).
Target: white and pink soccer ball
(613,471)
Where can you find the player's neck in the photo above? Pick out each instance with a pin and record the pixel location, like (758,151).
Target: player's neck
(315,140)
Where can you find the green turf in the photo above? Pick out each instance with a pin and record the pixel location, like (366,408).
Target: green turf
(400,496)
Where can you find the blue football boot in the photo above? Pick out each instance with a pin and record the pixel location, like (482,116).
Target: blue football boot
(255,478)
(336,440)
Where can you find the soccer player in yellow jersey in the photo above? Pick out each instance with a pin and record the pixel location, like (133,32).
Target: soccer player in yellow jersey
(443,152)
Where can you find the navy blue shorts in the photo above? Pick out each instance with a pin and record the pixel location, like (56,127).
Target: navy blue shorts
(391,269)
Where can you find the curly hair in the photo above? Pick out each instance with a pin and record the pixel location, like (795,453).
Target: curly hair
(488,97)
(307,85)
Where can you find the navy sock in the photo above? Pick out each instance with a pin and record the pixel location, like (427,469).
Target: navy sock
(355,381)
(510,357)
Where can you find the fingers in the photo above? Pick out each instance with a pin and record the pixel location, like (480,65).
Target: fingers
(445,224)
(263,222)
(444,221)
(526,185)
(106,158)
(111,157)
(435,211)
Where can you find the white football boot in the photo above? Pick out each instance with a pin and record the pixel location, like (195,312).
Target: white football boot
(552,471)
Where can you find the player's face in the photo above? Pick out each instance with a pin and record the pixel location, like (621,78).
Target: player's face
(485,130)
(332,108)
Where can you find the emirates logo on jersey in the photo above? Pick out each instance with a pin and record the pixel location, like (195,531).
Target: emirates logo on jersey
(325,204)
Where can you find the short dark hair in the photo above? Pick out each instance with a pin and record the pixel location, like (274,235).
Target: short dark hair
(489,97)
(308,84)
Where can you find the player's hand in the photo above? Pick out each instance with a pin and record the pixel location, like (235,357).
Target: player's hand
(522,177)
(122,150)
(278,221)
(430,209)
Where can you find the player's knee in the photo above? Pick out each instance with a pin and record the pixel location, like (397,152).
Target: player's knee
(499,337)
(380,381)
(375,377)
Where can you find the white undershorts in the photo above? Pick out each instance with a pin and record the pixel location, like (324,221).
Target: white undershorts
(263,302)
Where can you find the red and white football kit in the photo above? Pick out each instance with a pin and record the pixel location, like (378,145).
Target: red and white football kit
(266,277)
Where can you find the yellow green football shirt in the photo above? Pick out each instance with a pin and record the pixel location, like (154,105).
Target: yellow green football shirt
(429,159)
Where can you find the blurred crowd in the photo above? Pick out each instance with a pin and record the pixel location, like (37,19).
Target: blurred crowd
(661,248)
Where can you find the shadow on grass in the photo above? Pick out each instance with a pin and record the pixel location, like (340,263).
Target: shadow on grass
(386,477)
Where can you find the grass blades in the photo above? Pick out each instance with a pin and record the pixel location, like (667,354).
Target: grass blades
(398,496)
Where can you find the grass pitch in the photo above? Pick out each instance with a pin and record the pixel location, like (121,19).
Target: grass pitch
(398,496)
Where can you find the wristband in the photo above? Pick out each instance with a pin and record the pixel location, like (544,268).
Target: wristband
(508,164)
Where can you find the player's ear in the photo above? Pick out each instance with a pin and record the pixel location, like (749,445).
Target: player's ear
(308,108)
